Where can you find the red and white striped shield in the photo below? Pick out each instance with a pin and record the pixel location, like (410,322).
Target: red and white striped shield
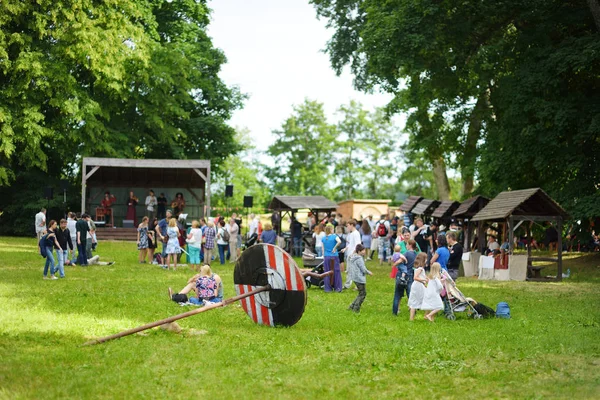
(264,264)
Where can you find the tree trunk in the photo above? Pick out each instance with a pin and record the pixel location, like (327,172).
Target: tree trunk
(441,179)
(467,168)
(595,9)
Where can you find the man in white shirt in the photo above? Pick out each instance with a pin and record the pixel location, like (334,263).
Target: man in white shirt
(151,203)
(253,228)
(352,239)
(40,223)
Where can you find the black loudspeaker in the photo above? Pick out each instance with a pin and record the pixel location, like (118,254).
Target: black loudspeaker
(229,191)
(48,193)
(64,185)
(248,200)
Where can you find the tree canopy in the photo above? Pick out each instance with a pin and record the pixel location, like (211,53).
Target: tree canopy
(506,92)
(120,78)
(127,79)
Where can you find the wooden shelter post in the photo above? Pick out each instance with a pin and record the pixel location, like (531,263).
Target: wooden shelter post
(84,177)
(511,234)
(559,250)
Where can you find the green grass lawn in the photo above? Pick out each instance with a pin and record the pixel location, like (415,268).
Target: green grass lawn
(550,347)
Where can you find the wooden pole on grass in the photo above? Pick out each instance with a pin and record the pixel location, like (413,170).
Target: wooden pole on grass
(210,306)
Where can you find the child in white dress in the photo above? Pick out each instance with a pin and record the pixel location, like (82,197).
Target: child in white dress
(432,300)
(417,290)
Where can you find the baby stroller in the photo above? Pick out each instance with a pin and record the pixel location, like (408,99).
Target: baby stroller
(251,241)
(310,260)
(455,301)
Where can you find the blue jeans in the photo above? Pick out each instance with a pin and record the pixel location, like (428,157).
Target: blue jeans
(222,248)
(383,249)
(81,254)
(164,252)
(399,291)
(297,249)
(62,256)
(49,261)
(319,251)
(198,302)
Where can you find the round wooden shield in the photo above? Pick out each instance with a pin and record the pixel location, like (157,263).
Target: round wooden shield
(264,264)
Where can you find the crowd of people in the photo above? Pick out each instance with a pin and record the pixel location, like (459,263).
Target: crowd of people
(409,250)
(155,207)
(345,246)
(73,239)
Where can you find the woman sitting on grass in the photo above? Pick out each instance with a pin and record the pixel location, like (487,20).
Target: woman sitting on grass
(207,286)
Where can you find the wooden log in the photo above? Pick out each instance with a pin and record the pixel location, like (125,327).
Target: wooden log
(210,306)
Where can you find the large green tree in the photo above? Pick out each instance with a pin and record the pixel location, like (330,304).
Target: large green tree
(503,91)
(243,170)
(303,153)
(119,79)
(364,151)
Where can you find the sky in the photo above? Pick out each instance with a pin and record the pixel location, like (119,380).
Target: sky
(274,52)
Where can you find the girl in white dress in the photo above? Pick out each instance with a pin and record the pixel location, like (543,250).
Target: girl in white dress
(432,300)
(417,289)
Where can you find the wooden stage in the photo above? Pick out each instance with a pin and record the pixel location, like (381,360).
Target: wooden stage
(108,233)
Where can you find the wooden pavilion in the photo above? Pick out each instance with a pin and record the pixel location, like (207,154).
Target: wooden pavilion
(410,203)
(425,207)
(531,205)
(193,176)
(289,205)
(467,210)
(445,210)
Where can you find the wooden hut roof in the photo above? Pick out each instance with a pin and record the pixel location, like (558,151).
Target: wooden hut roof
(528,202)
(425,207)
(470,207)
(117,172)
(302,202)
(410,203)
(445,209)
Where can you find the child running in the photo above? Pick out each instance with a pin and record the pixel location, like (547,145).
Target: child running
(173,247)
(432,300)
(417,291)
(357,272)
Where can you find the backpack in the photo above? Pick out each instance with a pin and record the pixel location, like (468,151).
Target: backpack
(382,229)
(225,236)
(42,246)
(484,311)
(158,258)
(179,298)
(503,310)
